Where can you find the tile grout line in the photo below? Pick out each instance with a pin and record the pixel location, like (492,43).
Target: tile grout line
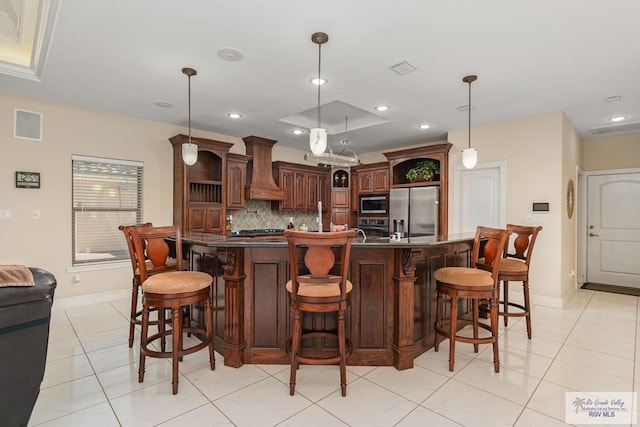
(526,405)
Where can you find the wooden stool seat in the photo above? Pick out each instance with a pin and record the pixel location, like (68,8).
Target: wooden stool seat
(476,284)
(321,290)
(464,278)
(512,266)
(177,282)
(169,287)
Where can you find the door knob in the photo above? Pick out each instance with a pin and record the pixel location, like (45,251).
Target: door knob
(593,235)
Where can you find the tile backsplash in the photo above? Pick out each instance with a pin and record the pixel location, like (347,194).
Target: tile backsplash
(258,214)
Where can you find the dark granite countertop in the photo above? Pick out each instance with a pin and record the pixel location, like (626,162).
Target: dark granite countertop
(279,241)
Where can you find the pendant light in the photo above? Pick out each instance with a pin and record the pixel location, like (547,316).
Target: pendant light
(318,135)
(329,158)
(189,149)
(469,155)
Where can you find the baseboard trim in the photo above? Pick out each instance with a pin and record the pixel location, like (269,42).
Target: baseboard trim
(548,301)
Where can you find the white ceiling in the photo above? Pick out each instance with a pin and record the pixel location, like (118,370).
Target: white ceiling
(531,57)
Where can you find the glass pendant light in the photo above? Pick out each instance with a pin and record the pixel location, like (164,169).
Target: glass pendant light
(318,135)
(469,155)
(189,149)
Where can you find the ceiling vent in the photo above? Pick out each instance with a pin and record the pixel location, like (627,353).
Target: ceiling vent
(620,128)
(403,68)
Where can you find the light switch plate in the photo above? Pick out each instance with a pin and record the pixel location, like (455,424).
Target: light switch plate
(5,214)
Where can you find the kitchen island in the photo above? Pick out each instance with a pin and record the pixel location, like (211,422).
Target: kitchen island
(389,323)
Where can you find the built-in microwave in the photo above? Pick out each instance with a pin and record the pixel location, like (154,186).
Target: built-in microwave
(374,205)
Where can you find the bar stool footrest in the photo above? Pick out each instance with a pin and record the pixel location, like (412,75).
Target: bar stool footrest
(182,352)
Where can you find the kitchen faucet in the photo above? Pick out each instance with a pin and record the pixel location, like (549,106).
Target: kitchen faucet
(361,231)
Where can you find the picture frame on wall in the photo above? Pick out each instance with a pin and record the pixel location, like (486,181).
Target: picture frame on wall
(27,179)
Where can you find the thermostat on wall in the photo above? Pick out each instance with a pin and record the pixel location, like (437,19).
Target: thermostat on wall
(540,207)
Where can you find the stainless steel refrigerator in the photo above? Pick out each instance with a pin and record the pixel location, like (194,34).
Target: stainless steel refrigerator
(414,211)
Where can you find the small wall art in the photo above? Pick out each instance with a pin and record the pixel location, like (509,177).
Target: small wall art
(27,179)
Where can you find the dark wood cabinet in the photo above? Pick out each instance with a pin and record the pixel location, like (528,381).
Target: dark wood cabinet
(304,186)
(313,192)
(373,178)
(342,181)
(324,195)
(341,198)
(199,190)
(285,181)
(236,180)
(370,328)
(300,202)
(206,219)
(401,161)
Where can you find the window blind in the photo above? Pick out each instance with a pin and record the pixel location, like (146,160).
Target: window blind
(106,194)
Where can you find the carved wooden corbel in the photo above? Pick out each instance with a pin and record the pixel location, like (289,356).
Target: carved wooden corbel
(410,258)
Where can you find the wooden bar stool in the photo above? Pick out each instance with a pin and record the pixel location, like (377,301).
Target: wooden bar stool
(476,284)
(319,292)
(134,317)
(514,267)
(166,286)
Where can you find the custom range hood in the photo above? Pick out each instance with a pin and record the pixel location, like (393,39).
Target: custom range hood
(259,174)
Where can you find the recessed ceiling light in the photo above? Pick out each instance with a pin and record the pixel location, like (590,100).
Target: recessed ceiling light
(617,118)
(424,126)
(318,81)
(297,131)
(382,108)
(163,104)
(230,54)
(613,98)
(234,115)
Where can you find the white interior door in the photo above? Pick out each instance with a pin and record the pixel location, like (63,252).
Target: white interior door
(480,196)
(613,222)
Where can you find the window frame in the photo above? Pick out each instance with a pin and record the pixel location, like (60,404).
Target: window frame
(91,194)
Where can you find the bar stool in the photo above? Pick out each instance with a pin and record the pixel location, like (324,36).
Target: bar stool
(477,284)
(319,292)
(134,317)
(514,267)
(166,286)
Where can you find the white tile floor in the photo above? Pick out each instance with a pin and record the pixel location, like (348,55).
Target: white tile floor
(91,377)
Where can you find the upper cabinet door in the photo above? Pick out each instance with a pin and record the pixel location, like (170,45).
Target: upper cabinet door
(365,182)
(380,178)
(373,180)
(236,181)
(300,192)
(285,181)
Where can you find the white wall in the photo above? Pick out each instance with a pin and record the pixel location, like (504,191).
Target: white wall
(532,148)
(613,152)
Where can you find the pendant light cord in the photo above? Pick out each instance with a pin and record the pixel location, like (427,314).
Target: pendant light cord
(189,100)
(319,81)
(469,135)
(470,79)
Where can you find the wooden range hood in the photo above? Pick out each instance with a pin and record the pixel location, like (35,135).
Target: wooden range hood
(259,174)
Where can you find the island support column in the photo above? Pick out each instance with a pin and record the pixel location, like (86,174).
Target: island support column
(234,341)
(403,299)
